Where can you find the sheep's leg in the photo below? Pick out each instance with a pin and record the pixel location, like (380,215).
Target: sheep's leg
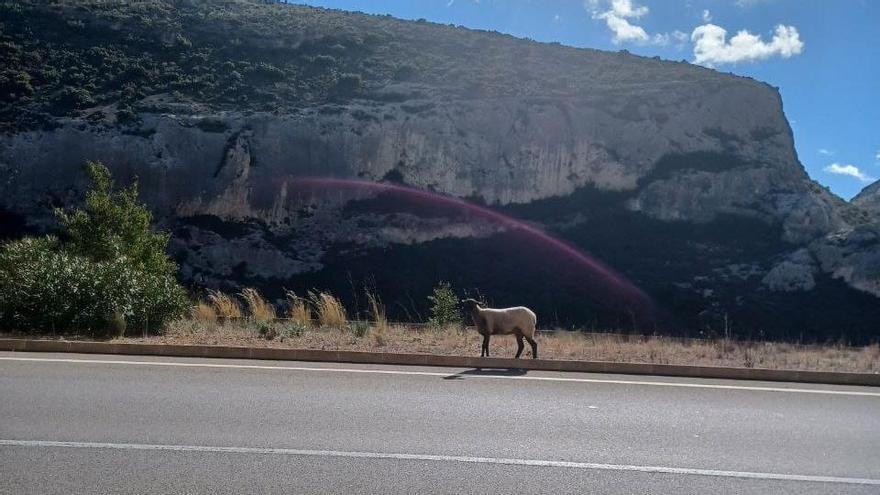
(519,345)
(534,347)
(485,350)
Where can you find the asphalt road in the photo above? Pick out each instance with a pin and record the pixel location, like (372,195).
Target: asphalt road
(125,424)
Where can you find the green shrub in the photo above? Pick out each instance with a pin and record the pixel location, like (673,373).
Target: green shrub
(359,328)
(444,306)
(43,287)
(125,115)
(266,330)
(115,224)
(293,329)
(71,98)
(110,274)
(16,84)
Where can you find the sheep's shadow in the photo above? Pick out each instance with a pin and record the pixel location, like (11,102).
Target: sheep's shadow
(487,372)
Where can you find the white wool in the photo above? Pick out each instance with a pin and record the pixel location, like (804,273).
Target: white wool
(519,320)
(505,321)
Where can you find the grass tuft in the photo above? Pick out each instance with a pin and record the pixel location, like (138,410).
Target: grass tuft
(259,309)
(225,306)
(330,311)
(359,328)
(299,311)
(380,321)
(204,312)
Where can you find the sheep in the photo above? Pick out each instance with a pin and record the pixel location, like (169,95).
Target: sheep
(519,321)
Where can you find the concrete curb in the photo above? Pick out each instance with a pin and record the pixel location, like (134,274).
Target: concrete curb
(210,351)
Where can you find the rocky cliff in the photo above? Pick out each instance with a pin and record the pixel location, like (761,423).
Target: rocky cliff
(682,178)
(869,198)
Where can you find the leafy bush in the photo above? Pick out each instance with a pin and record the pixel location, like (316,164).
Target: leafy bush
(359,328)
(44,287)
(16,84)
(125,115)
(266,330)
(72,98)
(293,329)
(444,306)
(111,273)
(115,224)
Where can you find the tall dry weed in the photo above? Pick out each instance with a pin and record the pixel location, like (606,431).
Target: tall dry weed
(204,312)
(299,311)
(224,305)
(259,309)
(380,321)
(330,311)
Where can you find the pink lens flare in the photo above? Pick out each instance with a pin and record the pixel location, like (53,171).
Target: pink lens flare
(617,283)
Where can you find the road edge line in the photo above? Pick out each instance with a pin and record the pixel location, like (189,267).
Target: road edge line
(357,357)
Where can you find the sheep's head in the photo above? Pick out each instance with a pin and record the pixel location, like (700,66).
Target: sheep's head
(470,304)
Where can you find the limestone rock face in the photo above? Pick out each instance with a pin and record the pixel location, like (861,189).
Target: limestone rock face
(852,256)
(793,274)
(869,198)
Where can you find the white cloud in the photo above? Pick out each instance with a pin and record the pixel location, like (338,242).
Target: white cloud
(661,39)
(626,8)
(850,170)
(616,20)
(707,16)
(619,16)
(675,38)
(877,156)
(711,46)
(557,17)
(826,152)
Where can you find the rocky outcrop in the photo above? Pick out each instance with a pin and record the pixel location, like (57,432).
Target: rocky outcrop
(869,199)
(796,273)
(852,256)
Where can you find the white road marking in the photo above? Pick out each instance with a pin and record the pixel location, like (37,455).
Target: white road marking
(441,458)
(857,393)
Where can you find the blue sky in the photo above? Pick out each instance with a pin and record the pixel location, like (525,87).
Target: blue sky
(823,55)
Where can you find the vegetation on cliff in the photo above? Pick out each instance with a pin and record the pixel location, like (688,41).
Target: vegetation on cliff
(101,58)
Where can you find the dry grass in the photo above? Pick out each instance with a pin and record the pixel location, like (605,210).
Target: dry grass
(204,312)
(380,322)
(330,311)
(259,309)
(298,311)
(224,305)
(552,345)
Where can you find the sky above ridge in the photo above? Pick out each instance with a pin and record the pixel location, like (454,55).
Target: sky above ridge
(823,55)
